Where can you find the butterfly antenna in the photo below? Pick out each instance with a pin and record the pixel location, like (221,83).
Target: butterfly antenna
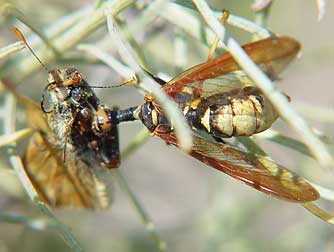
(22,38)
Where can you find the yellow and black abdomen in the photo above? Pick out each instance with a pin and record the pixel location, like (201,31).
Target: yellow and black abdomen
(240,112)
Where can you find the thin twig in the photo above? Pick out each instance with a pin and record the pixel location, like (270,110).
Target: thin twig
(248,26)
(259,5)
(12,48)
(51,31)
(108,59)
(261,9)
(34,223)
(181,17)
(138,141)
(150,13)
(149,225)
(321,5)
(8,139)
(314,209)
(279,138)
(12,11)
(251,146)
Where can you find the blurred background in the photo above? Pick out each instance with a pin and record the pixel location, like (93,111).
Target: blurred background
(193,207)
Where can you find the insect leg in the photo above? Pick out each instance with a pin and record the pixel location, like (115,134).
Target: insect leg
(213,48)
(317,211)
(214,45)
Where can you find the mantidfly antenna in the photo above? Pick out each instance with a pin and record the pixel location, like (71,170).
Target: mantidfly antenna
(22,38)
(133,81)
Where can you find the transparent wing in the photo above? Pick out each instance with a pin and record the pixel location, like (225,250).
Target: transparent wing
(256,171)
(221,84)
(272,55)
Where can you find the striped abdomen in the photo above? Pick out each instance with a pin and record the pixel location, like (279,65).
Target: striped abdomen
(240,112)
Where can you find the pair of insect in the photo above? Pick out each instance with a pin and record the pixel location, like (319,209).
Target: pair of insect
(215,97)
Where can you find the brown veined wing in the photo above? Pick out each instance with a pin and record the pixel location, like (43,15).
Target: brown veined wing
(256,171)
(70,183)
(63,184)
(223,73)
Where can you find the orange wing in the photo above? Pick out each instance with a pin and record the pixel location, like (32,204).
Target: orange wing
(272,55)
(256,171)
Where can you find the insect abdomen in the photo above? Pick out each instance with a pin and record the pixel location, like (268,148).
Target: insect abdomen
(240,112)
